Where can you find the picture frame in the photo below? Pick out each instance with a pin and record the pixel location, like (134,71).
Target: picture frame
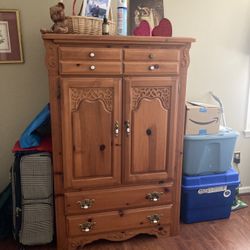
(148,10)
(96,8)
(10,37)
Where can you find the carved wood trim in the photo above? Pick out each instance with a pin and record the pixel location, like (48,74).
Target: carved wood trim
(185,57)
(80,242)
(161,93)
(51,57)
(105,95)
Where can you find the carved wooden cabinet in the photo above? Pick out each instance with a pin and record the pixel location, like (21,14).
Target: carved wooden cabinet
(117,106)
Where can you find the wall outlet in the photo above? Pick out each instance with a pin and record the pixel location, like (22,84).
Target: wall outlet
(236,158)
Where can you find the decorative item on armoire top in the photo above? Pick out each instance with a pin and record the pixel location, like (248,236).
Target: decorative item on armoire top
(89,25)
(143,29)
(148,10)
(163,29)
(10,37)
(96,8)
(57,15)
(122,17)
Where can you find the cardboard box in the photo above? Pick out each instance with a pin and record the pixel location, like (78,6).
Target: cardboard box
(202,118)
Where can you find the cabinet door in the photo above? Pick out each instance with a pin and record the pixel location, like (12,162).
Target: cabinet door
(151,114)
(91,115)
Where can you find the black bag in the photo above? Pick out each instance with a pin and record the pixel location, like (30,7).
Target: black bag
(5,213)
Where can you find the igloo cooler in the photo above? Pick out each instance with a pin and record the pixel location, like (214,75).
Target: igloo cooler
(208,197)
(209,154)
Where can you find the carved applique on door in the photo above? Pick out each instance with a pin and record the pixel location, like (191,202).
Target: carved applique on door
(151,109)
(91,139)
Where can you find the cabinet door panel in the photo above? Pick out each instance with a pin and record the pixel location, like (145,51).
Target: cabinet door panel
(151,109)
(90,110)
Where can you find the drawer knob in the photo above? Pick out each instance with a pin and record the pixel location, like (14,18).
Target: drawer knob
(92,54)
(154,196)
(154,219)
(87,226)
(154,67)
(86,204)
(151,56)
(92,67)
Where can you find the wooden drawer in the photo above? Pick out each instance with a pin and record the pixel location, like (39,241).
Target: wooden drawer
(151,68)
(118,220)
(90,68)
(106,54)
(111,199)
(168,55)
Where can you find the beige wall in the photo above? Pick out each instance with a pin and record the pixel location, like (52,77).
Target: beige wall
(219,62)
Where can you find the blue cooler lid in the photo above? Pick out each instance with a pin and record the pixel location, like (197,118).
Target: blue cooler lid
(223,134)
(231,177)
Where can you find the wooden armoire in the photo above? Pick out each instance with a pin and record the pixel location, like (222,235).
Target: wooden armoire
(117,108)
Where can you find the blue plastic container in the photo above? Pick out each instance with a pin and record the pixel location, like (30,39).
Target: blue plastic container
(208,197)
(208,154)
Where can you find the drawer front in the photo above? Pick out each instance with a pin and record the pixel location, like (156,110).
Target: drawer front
(90,68)
(92,54)
(111,199)
(118,220)
(168,55)
(151,68)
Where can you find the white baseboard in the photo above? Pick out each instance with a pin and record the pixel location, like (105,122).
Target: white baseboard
(244,190)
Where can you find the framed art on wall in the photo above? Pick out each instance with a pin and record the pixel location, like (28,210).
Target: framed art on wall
(148,10)
(10,37)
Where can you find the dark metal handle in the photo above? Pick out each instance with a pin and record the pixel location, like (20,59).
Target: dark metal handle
(102,147)
(148,131)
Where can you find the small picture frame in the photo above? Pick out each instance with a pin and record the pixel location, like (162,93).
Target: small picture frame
(96,8)
(10,37)
(148,10)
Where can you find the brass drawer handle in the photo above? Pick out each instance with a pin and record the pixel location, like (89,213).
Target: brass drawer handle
(127,127)
(86,204)
(154,67)
(116,128)
(92,54)
(154,196)
(87,226)
(154,219)
(92,67)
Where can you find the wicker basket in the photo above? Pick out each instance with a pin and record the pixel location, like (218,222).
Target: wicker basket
(89,25)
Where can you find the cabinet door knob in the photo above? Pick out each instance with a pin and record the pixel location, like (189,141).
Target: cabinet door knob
(116,128)
(154,219)
(86,204)
(154,196)
(127,127)
(87,226)
(92,54)
(92,67)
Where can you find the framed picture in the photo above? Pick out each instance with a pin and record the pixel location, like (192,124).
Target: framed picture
(10,37)
(96,8)
(148,10)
